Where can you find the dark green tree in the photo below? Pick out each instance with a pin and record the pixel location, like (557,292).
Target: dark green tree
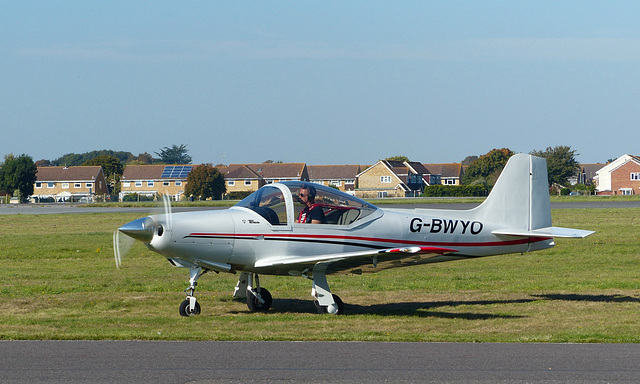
(74,159)
(398,158)
(111,166)
(486,169)
(469,159)
(205,181)
(174,155)
(144,158)
(561,163)
(18,173)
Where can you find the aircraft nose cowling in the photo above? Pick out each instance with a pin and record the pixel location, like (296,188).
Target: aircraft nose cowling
(141,229)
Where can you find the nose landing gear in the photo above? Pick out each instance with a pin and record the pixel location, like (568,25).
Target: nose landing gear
(190,307)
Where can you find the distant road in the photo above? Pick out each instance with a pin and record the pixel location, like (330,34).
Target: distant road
(44,209)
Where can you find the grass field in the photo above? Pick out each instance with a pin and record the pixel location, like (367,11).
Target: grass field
(59,281)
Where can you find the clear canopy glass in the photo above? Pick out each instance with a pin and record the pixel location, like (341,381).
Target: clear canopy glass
(274,201)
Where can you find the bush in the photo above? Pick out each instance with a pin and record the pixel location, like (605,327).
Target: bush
(455,191)
(136,197)
(237,195)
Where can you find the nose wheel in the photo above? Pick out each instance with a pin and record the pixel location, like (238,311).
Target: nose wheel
(190,307)
(185,308)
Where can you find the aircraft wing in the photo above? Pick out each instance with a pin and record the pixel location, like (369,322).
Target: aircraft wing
(357,262)
(545,232)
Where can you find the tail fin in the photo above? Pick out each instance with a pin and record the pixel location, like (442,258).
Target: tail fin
(520,201)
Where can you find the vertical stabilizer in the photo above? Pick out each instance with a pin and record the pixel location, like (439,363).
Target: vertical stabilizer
(519,202)
(520,198)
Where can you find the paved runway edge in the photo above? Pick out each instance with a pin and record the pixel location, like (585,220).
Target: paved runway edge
(212,362)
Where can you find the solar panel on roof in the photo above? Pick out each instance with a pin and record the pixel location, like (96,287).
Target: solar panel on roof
(176,171)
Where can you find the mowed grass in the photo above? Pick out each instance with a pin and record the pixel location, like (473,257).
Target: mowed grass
(59,281)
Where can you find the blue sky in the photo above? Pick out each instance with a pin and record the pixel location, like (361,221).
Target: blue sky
(328,82)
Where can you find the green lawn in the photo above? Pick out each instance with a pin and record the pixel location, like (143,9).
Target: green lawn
(59,281)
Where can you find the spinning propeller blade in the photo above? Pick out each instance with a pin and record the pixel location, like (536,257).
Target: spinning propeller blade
(141,229)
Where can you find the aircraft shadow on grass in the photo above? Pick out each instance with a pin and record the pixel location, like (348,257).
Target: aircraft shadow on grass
(421,309)
(590,298)
(427,309)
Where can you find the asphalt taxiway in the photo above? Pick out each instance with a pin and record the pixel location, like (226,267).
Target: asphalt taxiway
(319,362)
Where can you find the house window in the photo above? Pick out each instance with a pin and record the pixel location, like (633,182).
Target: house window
(626,191)
(65,185)
(178,183)
(635,176)
(38,185)
(139,184)
(231,183)
(126,184)
(51,185)
(247,183)
(385,179)
(77,185)
(88,185)
(382,194)
(166,183)
(449,181)
(150,183)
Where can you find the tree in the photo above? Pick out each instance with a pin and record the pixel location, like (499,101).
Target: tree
(205,181)
(144,158)
(174,155)
(18,174)
(73,159)
(486,169)
(111,166)
(469,159)
(398,158)
(561,163)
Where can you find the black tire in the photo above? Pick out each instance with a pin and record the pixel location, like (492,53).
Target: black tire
(323,309)
(184,309)
(256,306)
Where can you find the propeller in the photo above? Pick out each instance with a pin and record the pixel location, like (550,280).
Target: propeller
(141,229)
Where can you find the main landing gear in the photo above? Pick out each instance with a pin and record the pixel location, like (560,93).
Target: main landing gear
(258,298)
(325,301)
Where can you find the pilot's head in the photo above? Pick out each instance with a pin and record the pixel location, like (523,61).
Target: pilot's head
(307,194)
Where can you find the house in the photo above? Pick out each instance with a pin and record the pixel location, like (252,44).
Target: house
(586,174)
(342,177)
(153,180)
(275,172)
(620,177)
(450,173)
(69,183)
(239,178)
(394,179)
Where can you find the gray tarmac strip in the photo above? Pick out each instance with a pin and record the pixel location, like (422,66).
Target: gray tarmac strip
(319,362)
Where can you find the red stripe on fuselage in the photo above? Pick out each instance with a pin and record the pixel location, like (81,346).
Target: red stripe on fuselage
(283,236)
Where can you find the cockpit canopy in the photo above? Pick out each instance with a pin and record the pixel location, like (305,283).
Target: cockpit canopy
(280,204)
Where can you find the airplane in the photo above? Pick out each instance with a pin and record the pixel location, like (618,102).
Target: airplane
(261,235)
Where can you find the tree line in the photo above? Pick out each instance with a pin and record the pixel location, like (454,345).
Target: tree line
(18,173)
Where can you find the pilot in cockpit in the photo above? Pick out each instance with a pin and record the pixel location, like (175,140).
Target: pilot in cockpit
(312,212)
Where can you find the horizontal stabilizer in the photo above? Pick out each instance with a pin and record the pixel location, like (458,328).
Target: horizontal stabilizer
(545,232)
